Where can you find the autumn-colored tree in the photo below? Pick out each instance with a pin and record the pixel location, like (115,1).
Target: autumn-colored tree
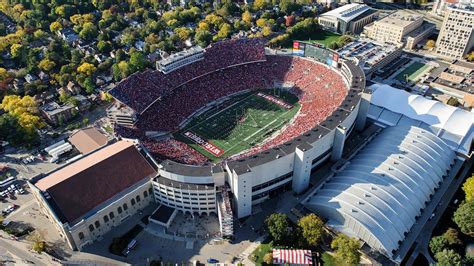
(310,228)
(46,65)
(55,26)
(468,188)
(247,18)
(346,250)
(86,69)
(25,109)
(430,44)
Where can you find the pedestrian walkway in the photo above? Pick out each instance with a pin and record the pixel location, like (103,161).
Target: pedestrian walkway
(245,255)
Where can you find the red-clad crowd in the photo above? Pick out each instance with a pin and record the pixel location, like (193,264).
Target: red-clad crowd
(141,89)
(320,91)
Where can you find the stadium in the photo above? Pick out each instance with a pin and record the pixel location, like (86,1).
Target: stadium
(237,119)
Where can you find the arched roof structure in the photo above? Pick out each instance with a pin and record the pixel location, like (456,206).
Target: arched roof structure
(393,106)
(377,196)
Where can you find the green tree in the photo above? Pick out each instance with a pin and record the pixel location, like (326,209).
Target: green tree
(438,244)
(203,38)
(468,188)
(89,31)
(260,4)
(311,229)
(448,257)
(278,227)
(464,217)
(104,46)
(346,250)
(452,236)
(137,61)
(288,6)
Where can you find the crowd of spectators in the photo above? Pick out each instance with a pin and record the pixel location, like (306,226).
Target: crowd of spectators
(140,90)
(320,91)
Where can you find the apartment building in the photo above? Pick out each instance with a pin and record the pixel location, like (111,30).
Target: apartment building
(456,38)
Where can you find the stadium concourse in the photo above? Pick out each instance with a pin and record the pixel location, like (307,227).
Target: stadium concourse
(320,91)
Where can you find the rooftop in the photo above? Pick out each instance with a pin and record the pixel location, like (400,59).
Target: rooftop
(400,18)
(82,185)
(347,12)
(369,51)
(87,140)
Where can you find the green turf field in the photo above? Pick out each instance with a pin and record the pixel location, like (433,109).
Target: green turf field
(239,123)
(413,71)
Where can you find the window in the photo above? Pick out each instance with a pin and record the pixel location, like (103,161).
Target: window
(106,218)
(119,210)
(81,235)
(91,228)
(132,201)
(138,198)
(145,193)
(111,214)
(97,224)
(125,206)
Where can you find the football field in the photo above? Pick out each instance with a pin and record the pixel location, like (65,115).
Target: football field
(239,123)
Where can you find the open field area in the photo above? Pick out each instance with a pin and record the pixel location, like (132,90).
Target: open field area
(323,37)
(239,123)
(413,71)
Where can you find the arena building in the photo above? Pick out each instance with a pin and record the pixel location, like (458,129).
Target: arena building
(87,198)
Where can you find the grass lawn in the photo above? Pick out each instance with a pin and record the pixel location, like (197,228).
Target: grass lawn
(413,71)
(321,36)
(239,123)
(258,254)
(327,259)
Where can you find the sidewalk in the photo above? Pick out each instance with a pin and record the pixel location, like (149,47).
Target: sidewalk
(245,255)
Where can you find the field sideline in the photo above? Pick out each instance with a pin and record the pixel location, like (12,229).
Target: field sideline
(239,123)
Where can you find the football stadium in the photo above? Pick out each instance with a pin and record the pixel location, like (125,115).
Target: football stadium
(238,118)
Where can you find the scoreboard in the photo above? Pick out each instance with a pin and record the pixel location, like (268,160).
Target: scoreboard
(316,51)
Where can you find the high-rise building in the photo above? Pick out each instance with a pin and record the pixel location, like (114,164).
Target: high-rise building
(456,37)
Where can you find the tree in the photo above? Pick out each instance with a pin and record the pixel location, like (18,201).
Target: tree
(183,33)
(310,227)
(38,242)
(224,31)
(260,4)
(448,257)
(288,6)
(247,18)
(268,258)
(468,188)
(86,69)
(46,65)
(438,244)
(104,46)
(137,61)
(55,26)
(203,38)
(470,56)
(430,44)
(452,101)
(24,109)
(346,250)
(89,31)
(452,237)
(278,227)
(16,50)
(464,217)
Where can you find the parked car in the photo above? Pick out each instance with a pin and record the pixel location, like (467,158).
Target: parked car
(213,261)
